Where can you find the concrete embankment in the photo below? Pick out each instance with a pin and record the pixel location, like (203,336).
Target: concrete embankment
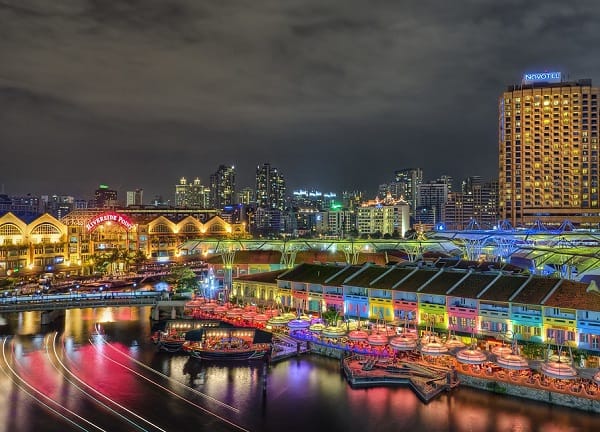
(556,398)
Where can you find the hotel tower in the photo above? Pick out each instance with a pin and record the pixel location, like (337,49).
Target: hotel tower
(548,152)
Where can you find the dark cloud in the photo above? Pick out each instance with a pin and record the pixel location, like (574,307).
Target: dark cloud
(337,95)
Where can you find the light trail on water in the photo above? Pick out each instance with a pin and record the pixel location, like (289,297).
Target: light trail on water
(65,369)
(172,393)
(154,371)
(31,391)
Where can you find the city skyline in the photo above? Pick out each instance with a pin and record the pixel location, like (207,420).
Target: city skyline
(336,96)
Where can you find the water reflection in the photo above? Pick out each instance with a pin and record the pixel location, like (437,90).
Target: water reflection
(305,393)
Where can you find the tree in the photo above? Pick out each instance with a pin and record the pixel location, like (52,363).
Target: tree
(331,316)
(183,279)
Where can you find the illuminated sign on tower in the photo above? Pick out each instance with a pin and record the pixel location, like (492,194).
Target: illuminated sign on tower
(124,221)
(546,77)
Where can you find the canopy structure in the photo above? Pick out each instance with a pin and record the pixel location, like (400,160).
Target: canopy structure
(512,361)
(454,342)
(234,313)
(249,315)
(403,343)
(317,327)
(357,335)
(278,321)
(471,356)
(378,339)
(261,318)
(207,307)
(556,369)
(433,346)
(333,332)
(297,324)
(501,350)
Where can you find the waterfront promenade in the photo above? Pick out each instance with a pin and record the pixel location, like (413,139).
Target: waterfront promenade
(366,365)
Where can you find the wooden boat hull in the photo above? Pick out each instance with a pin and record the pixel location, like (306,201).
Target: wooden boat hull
(170,346)
(229,355)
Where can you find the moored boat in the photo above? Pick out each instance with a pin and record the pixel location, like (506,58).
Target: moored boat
(173,336)
(230,343)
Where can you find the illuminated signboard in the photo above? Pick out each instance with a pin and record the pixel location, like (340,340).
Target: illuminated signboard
(124,221)
(549,77)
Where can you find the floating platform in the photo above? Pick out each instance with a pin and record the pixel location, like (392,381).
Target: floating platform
(427,382)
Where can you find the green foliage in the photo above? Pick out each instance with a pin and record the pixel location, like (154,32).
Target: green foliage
(7,283)
(532,350)
(331,316)
(183,279)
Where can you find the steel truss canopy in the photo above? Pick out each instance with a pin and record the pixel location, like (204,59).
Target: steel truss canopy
(411,247)
(564,247)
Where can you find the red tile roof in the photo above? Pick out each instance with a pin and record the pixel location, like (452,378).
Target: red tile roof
(264,277)
(503,288)
(535,290)
(573,295)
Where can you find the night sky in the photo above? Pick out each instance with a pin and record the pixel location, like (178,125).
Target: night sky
(336,94)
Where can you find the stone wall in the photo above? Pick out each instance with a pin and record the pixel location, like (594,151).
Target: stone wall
(555,398)
(326,351)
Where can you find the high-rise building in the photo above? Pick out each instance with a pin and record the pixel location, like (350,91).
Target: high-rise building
(476,205)
(431,200)
(548,151)
(181,191)
(105,197)
(222,187)
(192,195)
(313,199)
(135,198)
(406,185)
(245,196)
(270,187)
(58,205)
(21,206)
(386,217)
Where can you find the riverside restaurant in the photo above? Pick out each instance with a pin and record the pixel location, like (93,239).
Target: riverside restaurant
(430,364)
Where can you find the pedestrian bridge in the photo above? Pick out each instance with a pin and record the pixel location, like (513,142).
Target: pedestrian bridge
(45,302)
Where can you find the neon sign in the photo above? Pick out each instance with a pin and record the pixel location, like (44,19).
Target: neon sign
(124,221)
(550,77)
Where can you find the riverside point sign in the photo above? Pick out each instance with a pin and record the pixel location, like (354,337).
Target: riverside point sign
(549,77)
(98,220)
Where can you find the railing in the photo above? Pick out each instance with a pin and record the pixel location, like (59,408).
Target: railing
(76,301)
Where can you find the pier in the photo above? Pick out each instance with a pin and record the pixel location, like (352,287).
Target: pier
(285,347)
(425,381)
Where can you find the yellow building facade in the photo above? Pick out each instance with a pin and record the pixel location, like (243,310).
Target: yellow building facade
(47,244)
(548,151)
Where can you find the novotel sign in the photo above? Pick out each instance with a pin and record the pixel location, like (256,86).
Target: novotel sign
(550,77)
(124,221)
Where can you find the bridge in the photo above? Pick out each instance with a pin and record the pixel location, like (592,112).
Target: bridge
(47,303)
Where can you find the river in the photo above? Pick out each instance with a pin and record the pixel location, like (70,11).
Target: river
(66,377)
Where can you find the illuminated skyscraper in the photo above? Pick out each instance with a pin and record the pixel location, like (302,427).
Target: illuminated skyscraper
(135,198)
(548,151)
(270,188)
(222,187)
(192,195)
(105,197)
(406,184)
